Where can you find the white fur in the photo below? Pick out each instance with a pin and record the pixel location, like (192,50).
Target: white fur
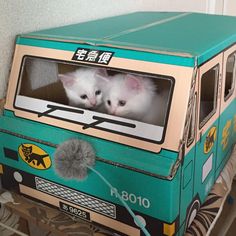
(143,103)
(84,81)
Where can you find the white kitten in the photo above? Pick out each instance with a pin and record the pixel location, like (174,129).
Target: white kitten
(135,97)
(84,87)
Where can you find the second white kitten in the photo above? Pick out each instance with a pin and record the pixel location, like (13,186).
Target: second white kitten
(135,97)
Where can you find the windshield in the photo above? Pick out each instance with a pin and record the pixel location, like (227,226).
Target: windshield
(129,103)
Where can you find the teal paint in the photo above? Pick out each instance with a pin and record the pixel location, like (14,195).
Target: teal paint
(118,177)
(153,31)
(227,136)
(161,163)
(187,186)
(227,132)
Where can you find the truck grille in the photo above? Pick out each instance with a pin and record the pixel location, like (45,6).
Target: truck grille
(76,197)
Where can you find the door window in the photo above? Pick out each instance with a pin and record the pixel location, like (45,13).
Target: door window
(208,101)
(229,76)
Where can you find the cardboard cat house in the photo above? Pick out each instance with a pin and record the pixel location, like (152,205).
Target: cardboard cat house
(162,171)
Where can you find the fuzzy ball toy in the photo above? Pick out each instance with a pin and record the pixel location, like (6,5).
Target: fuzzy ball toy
(73,157)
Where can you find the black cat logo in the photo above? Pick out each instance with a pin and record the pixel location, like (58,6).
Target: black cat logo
(210,140)
(34,156)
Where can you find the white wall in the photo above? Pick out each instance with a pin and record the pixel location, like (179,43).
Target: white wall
(20,16)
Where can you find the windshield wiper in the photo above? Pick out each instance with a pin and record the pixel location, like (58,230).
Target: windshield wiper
(100,120)
(54,108)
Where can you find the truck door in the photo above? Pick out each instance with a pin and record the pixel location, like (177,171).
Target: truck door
(207,125)
(227,109)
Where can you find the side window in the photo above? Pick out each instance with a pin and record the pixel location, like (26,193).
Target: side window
(230,76)
(208,100)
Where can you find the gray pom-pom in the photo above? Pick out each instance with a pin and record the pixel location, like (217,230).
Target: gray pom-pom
(72,157)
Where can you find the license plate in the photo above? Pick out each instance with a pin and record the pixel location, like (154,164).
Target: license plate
(74,211)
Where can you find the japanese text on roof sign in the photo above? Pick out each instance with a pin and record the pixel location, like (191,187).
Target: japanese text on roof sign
(92,56)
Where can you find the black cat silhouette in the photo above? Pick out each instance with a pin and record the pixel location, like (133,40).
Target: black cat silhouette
(210,139)
(35,158)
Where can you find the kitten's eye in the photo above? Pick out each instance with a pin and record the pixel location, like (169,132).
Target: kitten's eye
(121,103)
(109,102)
(83,96)
(98,92)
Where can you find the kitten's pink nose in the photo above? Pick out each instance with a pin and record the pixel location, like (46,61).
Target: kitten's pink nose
(93,102)
(112,112)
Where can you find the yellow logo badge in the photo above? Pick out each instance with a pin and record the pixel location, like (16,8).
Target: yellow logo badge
(210,140)
(226,134)
(34,156)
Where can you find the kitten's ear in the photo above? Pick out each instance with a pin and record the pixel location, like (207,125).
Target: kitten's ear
(102,74)
(133,82)
(67,79)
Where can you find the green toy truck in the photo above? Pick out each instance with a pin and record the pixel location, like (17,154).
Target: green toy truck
(162,171)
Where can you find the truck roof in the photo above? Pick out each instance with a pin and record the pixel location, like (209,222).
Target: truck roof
(185,35)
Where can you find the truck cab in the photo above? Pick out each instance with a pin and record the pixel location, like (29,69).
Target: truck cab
(164,169)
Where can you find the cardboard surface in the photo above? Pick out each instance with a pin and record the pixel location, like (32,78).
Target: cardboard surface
(130,152)
(153,31)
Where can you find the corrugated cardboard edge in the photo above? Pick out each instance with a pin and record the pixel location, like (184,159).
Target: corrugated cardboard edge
(109,44)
